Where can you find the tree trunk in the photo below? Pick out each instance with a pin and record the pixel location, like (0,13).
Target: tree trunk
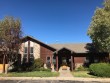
(4,61)
(6,71)
(109,58)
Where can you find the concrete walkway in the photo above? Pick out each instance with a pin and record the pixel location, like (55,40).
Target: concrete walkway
(65,73)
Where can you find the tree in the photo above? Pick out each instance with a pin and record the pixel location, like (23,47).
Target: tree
(10,39)
(99,30)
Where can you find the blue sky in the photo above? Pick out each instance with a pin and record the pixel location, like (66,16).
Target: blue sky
(53,21)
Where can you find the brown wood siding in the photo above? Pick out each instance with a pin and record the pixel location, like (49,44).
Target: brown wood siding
(79,59)
(45,52)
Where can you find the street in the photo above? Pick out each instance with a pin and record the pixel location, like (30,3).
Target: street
(47,81)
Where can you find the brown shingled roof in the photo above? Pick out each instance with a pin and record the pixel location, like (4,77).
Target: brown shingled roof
(78,48)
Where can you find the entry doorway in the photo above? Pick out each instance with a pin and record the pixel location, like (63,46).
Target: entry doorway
(64,59)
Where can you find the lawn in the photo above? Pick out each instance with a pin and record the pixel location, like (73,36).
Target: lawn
(31,74)
(82,74)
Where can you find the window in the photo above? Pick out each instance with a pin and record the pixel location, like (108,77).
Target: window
(25,54)
(54,60)
(31,54)
(48,59)
(31,57)
(48,64)
(70,60)
(31,49)
(87,60)
(25,57)
(96,59)
(25,49)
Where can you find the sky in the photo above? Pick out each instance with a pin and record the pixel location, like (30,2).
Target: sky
(53,21)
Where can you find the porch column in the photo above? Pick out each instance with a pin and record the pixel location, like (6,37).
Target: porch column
(71,63)
(56,62)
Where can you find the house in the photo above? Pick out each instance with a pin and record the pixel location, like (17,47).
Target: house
(58,55)
(71,55)
(32,49)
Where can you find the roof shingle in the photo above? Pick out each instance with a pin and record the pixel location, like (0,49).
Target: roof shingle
(78,48)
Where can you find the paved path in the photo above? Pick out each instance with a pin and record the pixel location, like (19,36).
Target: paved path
(65,73)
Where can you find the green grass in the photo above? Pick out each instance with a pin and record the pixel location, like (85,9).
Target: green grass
(31,74)
(82,74)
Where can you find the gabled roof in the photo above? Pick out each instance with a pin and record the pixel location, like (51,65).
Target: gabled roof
(37,41)
(78,48)
(73,47)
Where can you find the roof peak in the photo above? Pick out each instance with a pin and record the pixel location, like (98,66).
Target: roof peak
(38,41)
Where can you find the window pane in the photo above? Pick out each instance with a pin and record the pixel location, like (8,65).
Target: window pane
(25,49)
(25,56)
(48,59)
(31,49)
(54,60)
(96,59)
(31,56)
(24,60)
(87,59)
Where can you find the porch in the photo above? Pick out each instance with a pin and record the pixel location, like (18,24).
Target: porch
(64,58)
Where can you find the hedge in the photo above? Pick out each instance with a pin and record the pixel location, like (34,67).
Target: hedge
(100,69)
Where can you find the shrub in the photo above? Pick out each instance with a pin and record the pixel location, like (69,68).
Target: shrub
(38,63)
(100,69)
(26,66)
(15,67)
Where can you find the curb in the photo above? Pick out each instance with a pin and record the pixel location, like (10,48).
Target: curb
(103,80)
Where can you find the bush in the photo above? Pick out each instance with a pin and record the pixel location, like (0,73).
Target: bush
(100,69)
(26,66)
(38,63)
(15,67)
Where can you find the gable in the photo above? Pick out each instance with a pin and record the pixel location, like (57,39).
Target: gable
(28,38)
